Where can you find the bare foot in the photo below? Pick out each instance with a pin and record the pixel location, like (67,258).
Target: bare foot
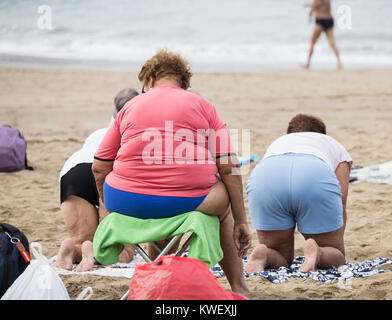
(305,66)
(257,260)
(88,260)
(243,291)
(31,165)
(125,256)
(312,256)
(65,256)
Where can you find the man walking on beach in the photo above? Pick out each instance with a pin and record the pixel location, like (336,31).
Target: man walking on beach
(321,9)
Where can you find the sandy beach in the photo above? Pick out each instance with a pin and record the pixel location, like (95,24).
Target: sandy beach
(56,109)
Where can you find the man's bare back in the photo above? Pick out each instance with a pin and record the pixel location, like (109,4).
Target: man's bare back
(322,9)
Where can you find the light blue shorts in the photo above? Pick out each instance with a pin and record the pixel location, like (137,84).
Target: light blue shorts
(295,188)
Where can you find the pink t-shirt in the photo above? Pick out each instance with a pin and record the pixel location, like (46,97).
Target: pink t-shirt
(317,144)
(164,143)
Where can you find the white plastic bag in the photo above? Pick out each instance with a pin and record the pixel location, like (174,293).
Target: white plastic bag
(39,281)
(85,294)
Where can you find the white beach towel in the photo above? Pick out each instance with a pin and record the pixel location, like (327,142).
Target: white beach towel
(114,270)
(381,173)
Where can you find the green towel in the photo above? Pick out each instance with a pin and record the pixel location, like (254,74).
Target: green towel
(117,229)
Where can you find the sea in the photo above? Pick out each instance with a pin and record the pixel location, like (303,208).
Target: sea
(213,35)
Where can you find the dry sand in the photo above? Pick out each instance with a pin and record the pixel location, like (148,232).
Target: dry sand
(56,109)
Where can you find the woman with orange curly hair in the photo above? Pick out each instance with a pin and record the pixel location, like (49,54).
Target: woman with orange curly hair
(162,156)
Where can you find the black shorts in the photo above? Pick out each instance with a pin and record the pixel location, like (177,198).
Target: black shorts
(326,24)
(79,181)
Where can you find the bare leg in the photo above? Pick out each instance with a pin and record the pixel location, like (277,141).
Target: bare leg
(153,252)
(263,257)
(102,211)
(276,249)
(129,250)
(215,204)
(315,35)
(331,40)
(323,250)
(81,220)
(231,263)
(127,254)
(88,259)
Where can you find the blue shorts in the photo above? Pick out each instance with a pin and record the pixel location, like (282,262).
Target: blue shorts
(145,206)
(295,188)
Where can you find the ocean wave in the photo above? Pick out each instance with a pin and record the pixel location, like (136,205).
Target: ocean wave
(250,32)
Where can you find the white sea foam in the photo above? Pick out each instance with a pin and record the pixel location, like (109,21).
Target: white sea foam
(213,35)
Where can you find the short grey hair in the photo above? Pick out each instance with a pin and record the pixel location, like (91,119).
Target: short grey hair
(123,97)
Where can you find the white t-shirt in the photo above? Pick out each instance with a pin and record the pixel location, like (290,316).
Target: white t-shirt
(317,144)
(86,153)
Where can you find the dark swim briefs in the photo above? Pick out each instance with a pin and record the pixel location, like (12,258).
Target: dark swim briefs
(326,24)
(79,181)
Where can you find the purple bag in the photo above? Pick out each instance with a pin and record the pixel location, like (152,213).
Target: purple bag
(12,150)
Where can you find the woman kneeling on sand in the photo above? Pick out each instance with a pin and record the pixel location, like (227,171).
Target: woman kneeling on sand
(303,179)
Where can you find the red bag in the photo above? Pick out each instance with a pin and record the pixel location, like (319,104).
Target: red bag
(177,278)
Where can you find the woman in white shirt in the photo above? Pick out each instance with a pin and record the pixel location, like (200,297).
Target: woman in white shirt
(302,180)
(79,198)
